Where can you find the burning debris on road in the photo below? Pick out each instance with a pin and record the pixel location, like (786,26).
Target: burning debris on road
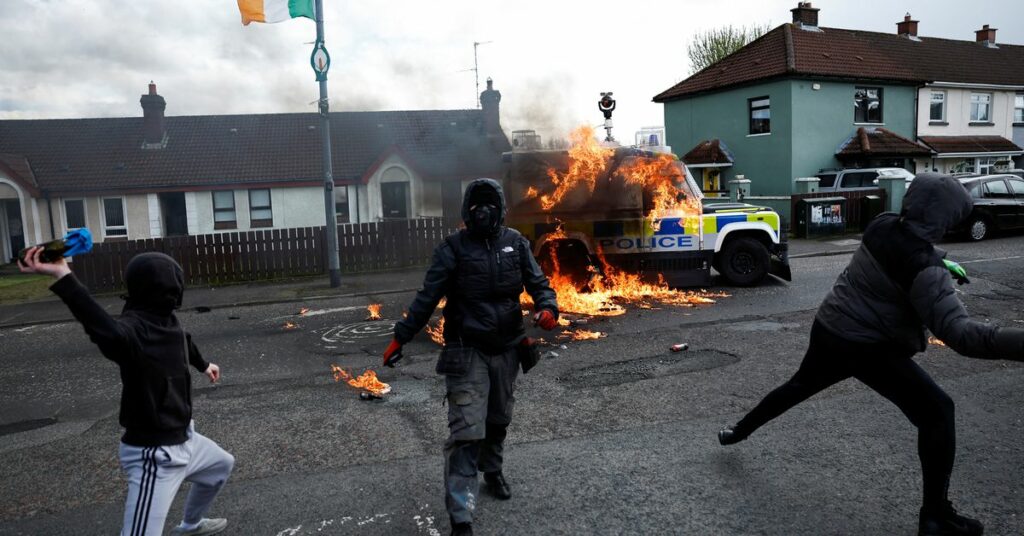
(367,381)
(584,335)
(935,341)
(289,325)
(373,312)
(303,311)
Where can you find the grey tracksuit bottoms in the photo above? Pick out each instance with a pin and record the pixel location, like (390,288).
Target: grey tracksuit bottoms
(155,473)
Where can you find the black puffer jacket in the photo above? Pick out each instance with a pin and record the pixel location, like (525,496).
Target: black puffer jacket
(482,278)
(896,283)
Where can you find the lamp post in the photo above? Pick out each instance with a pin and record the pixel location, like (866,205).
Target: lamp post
(321,62)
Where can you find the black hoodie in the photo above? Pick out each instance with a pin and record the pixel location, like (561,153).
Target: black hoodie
(896,283)
(482,272)
(148,344)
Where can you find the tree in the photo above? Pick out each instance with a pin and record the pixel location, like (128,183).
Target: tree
(707,48)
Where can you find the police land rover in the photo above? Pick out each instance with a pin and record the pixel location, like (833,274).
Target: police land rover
(636,210)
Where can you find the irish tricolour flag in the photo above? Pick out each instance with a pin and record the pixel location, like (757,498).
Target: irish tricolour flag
(274,10)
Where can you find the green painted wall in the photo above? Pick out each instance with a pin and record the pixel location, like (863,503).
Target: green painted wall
(764,159)
(823,119)
(807,127)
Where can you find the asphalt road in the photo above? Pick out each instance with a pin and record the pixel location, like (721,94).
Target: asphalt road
(613,436)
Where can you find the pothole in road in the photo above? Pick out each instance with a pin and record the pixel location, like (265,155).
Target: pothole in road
(646,368)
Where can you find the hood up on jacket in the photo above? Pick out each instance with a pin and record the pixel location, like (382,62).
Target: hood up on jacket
(156,283)
(933,205)
(483,190)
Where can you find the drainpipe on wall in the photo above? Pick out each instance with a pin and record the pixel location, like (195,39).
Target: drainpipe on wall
(49,214)
(917,97)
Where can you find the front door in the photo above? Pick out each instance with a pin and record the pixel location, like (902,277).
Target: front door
(14,225)
(172,207)
(395,200)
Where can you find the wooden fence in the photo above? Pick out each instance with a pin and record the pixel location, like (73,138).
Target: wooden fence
(270,254)
(853,203)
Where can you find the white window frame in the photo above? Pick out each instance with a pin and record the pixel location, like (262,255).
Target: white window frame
(103,217)
(233,223)
(64,213)
(337,201)
(985,163)
(988,108)
(931,101)
(270,207)
(1018,108)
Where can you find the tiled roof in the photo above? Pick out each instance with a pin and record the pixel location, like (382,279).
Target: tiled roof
(789,50)
(709,152)
(92,155)
(880,142)
(971,144)
(17,168)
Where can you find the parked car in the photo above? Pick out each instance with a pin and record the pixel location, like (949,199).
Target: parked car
(844,180)
(998,205)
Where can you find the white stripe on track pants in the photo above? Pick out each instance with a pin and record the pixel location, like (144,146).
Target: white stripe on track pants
(156,473)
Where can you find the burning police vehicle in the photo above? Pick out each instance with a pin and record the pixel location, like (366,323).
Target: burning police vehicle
(599,207)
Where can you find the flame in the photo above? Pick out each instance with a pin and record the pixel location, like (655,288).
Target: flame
(303,311)
(935,341)
(367,381)
(290,325)
(587,160)
(373,311)
(583,334)
(436,332)
(531,192)
(661,177)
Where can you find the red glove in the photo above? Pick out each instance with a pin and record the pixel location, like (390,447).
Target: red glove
(393,353)
(545,319)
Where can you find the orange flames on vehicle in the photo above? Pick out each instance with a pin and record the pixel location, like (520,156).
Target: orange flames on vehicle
(661,176)
(587,160)
(373,311)
(367,381)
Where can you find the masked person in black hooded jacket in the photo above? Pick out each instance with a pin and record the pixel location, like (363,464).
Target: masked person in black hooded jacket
(160,447)
(481,271)
(873,322)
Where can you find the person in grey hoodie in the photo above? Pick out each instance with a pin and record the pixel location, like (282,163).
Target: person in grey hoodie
(873,322)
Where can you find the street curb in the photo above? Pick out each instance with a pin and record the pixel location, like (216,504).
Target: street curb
(828,253)
(251,303)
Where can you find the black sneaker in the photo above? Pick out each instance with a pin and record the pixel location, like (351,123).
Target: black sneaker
(462,529)
(946,522)
(496,486)
(729,436)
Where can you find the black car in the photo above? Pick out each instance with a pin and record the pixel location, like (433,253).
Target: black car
(998,205)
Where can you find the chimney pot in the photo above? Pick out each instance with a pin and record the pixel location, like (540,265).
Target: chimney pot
(907,27)
(986,36)
(804,14)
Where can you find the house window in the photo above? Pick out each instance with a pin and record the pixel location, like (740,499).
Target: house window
(1018,108)
(341,204)
(760,115)
(981,107)
(260,212)
(114,224)
(986,164)
(74,214)
(224,210)
(938,106)
(867,103)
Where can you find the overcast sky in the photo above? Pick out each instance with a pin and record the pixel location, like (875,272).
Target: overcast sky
(550,59)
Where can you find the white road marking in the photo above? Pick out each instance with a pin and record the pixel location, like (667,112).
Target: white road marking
(290,532)
(317,312)
(1015,257)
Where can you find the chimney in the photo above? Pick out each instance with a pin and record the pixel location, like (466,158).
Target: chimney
(805,15)
(153,132)
(986,36)
(489,99)
(907,27)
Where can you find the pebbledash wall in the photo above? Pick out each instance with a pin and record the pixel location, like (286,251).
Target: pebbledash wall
(809,120)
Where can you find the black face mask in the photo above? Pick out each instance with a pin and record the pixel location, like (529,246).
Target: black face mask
(484,218)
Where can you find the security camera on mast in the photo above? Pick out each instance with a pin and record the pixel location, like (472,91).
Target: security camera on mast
(607,106)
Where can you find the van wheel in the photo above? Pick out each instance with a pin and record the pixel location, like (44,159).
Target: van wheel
(571,258)
(978,229)
(744,261)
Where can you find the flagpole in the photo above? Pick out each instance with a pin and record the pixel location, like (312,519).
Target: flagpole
(333,263)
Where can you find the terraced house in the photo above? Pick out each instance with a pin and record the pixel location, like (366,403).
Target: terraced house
(130,178)
(804,97)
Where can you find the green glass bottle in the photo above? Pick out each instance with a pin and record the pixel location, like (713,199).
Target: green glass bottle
(52,251)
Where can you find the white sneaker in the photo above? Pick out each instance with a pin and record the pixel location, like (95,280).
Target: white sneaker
(206,526)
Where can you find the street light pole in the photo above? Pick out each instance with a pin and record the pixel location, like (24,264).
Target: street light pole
(323,62)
